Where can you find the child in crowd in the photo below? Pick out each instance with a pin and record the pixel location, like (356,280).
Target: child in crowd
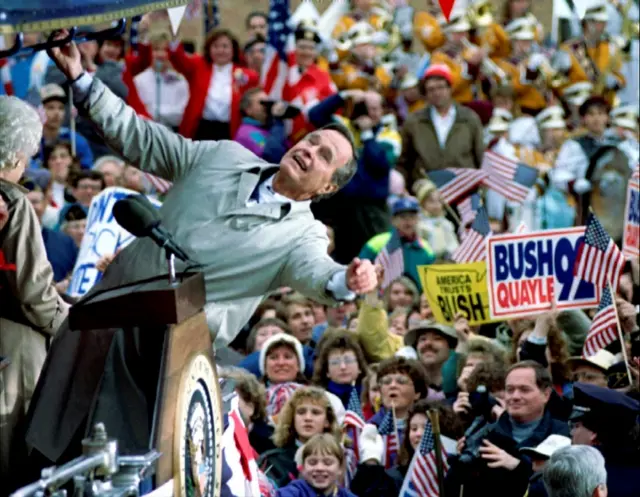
(433,224)
(322,465)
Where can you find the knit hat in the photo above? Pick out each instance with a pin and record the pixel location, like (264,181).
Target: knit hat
(439,71)
(426,187)
(281,339)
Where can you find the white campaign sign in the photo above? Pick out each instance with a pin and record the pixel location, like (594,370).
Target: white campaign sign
(103,236)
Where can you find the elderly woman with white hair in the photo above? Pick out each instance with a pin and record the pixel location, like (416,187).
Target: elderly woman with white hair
(31,309)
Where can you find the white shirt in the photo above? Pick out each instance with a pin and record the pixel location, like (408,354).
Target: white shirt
(217,106)
(164,94)
(443,124)
(57,193)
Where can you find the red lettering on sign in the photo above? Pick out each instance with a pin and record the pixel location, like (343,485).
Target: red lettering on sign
(531,292)
(632,236)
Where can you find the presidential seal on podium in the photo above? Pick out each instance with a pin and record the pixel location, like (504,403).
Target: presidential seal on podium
(198,431)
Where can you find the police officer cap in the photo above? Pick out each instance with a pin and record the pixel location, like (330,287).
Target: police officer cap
(603,407)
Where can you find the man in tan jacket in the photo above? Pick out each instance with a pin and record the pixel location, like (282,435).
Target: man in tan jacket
(30,307)
(442,135)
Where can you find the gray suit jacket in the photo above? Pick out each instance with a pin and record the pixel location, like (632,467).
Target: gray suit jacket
(246,253)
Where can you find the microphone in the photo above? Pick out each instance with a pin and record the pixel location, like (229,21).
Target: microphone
(140,218)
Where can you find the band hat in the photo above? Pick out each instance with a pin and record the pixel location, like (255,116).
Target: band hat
(361,33)
(500,121)
(521,29)
(307,30)
(596,12)
(625,116)
(409,81)
(602,360)
(548,446)
(52,92)
(578,93)
(281,339)
(458,23)
(411,338)
(551,118)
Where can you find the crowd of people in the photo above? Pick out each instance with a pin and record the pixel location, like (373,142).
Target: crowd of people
(520,407)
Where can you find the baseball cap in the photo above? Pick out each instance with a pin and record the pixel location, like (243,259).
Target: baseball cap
(548,446)
(405,204)
(439,71)
(52,92)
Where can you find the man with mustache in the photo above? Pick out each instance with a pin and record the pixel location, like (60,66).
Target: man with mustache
(247,222)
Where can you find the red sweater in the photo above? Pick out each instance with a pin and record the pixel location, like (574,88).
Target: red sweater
(134,64)
(198,72)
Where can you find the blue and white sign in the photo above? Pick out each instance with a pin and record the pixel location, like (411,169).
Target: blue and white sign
(103,236)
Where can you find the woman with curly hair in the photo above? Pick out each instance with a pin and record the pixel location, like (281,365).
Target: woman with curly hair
(371,477)
(307,413)
(341,366)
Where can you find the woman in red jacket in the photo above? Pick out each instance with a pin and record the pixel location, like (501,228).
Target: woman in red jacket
(216,85)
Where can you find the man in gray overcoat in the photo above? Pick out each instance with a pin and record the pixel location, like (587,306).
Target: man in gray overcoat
(247,222)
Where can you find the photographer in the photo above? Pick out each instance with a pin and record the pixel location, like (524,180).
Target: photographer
(489,456)
(262,129)
(365,197)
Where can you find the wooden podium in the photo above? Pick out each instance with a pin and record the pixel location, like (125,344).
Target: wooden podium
(178,357)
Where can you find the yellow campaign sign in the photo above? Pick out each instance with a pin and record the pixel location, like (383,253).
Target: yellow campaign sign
(457,287)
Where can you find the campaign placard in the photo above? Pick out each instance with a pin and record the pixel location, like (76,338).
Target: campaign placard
(631,233)
(452,288)
(525,271)
(103,236)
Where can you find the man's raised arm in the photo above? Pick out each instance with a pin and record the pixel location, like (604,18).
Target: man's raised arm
(149,146)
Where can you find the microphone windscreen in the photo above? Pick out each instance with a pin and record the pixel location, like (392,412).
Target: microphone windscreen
(134,217)
(146,203)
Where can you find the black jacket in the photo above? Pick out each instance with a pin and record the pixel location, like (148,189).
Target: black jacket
(623,471)
(480,480)
(279,465)
(372,480)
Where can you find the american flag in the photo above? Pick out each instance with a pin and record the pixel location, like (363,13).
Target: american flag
(391,259)
(354,416)
(160,185)
(5,70)
(468,208)
(509,178)
(454,183)
(599,260)
(275,68)
(211,15)
(422,475)
(472,248)
(389,433)
(604,327)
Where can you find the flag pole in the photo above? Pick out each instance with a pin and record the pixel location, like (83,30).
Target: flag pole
(395,424)
(437,443)
(452,213)
(620,335)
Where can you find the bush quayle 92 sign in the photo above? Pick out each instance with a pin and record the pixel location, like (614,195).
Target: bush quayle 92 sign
(631,233)
(103,236)
(526,270)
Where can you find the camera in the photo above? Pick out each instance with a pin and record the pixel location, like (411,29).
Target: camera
(482,402)
(360,109)
(290,112)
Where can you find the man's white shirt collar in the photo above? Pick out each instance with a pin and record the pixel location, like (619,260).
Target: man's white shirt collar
(267,195)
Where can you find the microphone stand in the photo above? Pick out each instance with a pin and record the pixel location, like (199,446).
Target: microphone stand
(171,264)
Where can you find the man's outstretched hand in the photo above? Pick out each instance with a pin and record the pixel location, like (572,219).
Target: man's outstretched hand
(361,276)
(67,58)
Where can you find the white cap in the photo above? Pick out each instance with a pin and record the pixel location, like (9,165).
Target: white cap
(597,11)
(409,81)
(281,339)
(458,23)
(551,118)
(500,121)
(549,445)
(603,360)
(578,93)
(625,116)
(360,33)
(522,28)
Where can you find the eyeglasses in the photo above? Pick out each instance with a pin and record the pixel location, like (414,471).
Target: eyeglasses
(346,360)
(400,380)
(587,377)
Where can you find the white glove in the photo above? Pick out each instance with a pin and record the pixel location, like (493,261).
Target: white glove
(380,38)
(371,444)
(535,61)
(581,186)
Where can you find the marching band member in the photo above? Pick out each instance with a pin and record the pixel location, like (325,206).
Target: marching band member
(410,98)
(464,63)
(521,9)
(624,121)
(599,55)
(487,33)
(553,132)
(498,126)
(360,71)
(427,29)
(522,65)
(573,97)
(572,163)
(361,11)
(306,84)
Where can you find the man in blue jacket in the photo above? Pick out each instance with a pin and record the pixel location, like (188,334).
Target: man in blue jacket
(359,211)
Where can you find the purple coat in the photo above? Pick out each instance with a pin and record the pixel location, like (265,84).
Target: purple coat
(300,488)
